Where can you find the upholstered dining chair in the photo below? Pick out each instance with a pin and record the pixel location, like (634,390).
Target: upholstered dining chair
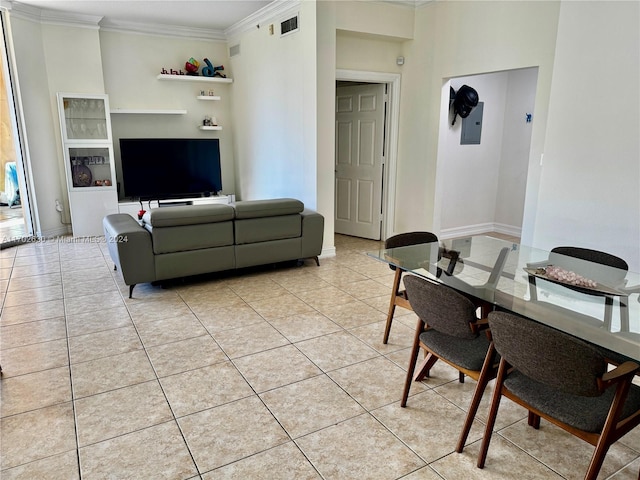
(449,330)
(581,261)
(563,380)
(399,295)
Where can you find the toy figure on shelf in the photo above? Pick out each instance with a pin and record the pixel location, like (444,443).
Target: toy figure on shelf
(192,66)
(217,73)
(211,71)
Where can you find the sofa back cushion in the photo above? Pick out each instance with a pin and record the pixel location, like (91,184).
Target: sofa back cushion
(268,208)
(188,215)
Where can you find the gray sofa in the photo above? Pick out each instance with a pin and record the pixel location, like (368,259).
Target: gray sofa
(174,242)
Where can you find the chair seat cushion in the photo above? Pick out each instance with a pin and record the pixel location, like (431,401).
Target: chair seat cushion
(467,353)
(584,413)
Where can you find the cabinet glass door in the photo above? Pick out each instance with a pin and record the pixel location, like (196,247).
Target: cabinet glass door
(85,118)
(90,167)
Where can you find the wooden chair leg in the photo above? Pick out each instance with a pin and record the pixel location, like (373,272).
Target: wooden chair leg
(485,309)
(413,359)
(426,365)
(534,420)
(605,440)
(392,305)
(597,459)
(485,375)
(493,412)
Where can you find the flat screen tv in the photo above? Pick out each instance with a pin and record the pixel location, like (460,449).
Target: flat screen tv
(159,168)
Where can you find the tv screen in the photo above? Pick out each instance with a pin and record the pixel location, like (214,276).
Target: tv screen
(157,168)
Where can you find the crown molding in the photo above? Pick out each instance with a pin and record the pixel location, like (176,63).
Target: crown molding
(52,17)
(277,8)
(274,10)
(413,4)
(162,30)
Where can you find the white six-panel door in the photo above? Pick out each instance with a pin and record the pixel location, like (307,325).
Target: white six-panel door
(359,159)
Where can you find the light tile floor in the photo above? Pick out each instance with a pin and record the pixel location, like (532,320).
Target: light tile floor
(12,227)
(279,373)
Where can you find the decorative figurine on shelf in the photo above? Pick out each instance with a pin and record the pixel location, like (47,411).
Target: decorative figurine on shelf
(207,122)
(211,71)
(217,73)
(192,66)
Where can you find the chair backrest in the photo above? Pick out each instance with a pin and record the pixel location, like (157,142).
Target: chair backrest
(410,238)
(581,260)
(407,239)
(547,355)
(441,307)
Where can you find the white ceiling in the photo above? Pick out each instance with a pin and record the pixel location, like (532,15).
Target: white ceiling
(213,15)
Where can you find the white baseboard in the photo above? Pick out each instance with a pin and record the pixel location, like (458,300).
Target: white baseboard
(328,252)
(507,229)
(479,229)
(56,232)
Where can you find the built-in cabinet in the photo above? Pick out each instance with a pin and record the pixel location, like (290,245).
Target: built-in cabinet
(87,145)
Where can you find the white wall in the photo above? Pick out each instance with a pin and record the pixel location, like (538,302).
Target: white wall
(468,175)
(325,139)
(377,18)
(131,63)
(45,56)
(275,112)
(589,190)
(38,115)
(516,146)
(368,53)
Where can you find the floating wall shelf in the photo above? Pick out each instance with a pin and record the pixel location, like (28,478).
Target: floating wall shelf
(210,127)
(208,97)
(148,111)
(193,78)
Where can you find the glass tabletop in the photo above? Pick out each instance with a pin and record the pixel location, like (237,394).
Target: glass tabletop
(589,300)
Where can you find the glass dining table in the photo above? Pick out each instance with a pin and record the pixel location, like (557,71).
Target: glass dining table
(591,301)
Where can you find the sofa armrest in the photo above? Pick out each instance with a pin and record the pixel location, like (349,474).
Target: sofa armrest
(312,233)
(130,249)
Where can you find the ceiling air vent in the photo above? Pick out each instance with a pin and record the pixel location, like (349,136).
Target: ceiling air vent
(289,26)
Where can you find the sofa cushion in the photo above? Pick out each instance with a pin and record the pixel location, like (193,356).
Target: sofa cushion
(194,262)
(255,230)
(267,252)
(268,208)
(191,237)
(188,215)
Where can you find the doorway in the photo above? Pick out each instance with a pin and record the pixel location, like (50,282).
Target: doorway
(481,188)
(373,215)
(359,158)
(15,216)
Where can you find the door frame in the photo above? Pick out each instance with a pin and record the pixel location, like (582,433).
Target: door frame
(392,80)
(23,160)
